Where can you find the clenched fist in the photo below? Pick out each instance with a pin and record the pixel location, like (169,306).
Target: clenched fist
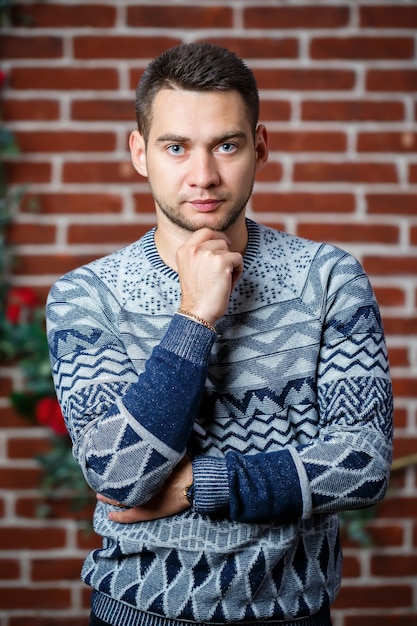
(207,271)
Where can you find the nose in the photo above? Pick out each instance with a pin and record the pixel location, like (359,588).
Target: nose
(203,171)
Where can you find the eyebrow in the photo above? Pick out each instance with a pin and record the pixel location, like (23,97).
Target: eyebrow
(216,140)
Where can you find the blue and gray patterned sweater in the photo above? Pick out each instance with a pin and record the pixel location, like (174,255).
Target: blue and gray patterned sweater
(287,414)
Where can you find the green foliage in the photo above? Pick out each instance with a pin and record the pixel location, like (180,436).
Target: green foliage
(354,524)
(23,343)
(62,477)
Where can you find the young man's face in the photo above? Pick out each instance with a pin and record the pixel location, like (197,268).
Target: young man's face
(200,158)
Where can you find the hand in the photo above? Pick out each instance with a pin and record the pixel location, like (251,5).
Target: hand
(168,501)
(207,271)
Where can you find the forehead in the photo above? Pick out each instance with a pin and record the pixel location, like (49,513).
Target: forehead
(181,111)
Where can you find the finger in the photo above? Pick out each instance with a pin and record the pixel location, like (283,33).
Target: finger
(127,516)
(106,500)
(206,234)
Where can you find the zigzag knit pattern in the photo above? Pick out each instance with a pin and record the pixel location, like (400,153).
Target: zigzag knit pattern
(287,415)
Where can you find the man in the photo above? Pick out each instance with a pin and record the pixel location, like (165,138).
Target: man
(225,385)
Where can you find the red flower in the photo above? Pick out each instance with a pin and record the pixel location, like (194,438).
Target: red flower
(48,413)
(20,304)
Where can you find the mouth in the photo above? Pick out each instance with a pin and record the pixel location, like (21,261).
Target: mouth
(205,205)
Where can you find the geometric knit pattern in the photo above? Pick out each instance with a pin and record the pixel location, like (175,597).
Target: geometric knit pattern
(287,415)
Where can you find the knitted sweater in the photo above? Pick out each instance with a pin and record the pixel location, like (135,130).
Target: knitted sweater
(286,413)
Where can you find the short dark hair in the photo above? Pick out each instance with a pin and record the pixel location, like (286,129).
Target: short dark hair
(195,67)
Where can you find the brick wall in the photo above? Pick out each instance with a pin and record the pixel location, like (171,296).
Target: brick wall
(338,84)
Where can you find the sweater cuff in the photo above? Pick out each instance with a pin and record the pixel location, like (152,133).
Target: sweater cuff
(188,339)
(211,485)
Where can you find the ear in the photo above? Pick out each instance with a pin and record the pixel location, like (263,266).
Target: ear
(261,147)
(138,152)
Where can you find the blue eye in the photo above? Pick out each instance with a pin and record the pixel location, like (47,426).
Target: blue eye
(175,149)
(227,147)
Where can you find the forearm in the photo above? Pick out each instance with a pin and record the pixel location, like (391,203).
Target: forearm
(129,444)
(346,466)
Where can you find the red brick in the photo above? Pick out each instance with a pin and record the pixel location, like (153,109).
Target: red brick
(179,17)
(274,110)
(400,326)
(403,387)
(32,538)
(120,234)
(56,569)
(391,16)
(100,172)
(30,233)
(19,478)
(389,535)
(297,17)
(143,203)
(51,621)
(111,110)
(8,416)
(391,266)
(87,539)
(5,386)
(299,79)
(135,75)
(404,446)
(265,48)
(272,172)
(391,80)
(36,265)
(64,78)
(392,203)
(390,296)
(387,142)
(349,232)
(396,565)
(28,47)
(9,569)
(381,619)
(76,203)
(33,109)
(400,416)
(413,173)
(85,598)
(413,235)
(66,141)
(307,141)
(303,202)
(352,111)
(354,172)
(123,47)
(26,448)
(34,598)
(65,15)
(378,596)
(25,172)
(399,357)
(59,508)
(369,48)
(351,567)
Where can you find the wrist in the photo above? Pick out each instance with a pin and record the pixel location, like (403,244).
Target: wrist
(196,318)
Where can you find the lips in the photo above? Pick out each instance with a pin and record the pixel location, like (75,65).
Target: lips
(205,205)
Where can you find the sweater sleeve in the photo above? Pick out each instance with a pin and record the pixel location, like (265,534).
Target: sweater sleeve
(128,430)
(347,464)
